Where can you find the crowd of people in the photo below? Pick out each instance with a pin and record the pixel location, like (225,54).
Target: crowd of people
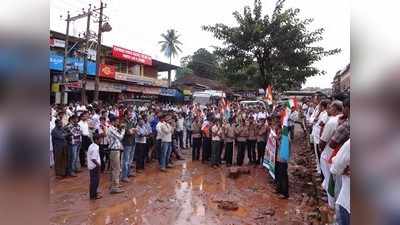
(123,139)
(328,124)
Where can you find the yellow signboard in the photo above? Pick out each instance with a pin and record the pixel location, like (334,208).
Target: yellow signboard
(55,88)
(187,92)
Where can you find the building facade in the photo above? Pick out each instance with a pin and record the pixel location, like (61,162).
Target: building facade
(124,73)
(341,81)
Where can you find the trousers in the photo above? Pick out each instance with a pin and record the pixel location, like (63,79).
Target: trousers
(115,168)
(165,154)
(196,148)
(140,155)
(215,153)
(281,175)
(206,149)
(94,182)
(126,160)
(241,152)
(228,152)
(260,152)
(251,151)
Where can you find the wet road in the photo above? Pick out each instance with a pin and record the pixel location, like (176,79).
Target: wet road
(186,194)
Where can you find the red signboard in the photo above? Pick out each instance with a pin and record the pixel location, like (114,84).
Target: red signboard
(126,54)
(107,71)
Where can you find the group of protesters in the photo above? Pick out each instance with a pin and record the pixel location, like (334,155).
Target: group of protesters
(328,125)
(122,139)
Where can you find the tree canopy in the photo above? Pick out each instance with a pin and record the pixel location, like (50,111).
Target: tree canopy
(280,45)
(202,63)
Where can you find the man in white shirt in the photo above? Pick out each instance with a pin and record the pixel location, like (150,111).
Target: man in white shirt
(80,109)
(166,142)
(84,125)
(334,111)
(293,117)
(93,163)
(96,118)
(341,166)
(262,115)
(320,119)
(179,129)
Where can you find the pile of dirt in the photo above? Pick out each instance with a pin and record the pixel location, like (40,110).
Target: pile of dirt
(235,171)
(227,205)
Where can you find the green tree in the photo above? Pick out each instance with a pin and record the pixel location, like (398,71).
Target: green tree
(182,71)
(281,45)
(170,47)
(203,63)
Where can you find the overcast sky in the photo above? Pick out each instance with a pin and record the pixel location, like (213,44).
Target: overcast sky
(137,25)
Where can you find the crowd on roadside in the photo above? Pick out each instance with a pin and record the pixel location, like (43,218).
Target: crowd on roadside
(122,139)
(328,124)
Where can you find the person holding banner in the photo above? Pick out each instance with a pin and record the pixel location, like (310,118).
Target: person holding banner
(281,166)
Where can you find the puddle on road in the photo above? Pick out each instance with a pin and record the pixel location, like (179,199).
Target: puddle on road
(183,195)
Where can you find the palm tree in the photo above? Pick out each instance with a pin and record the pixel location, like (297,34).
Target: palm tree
(170,47)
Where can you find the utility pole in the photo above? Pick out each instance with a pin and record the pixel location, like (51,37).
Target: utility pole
(65,60)
(86,51)
(98,53)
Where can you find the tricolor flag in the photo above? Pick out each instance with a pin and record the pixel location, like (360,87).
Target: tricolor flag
(292,102)
(268,94)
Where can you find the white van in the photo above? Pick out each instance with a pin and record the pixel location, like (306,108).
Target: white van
(207,97)
(253,104)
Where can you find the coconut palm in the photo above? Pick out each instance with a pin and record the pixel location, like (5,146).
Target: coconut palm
(170,47)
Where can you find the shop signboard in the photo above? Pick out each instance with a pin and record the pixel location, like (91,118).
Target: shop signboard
(168,92)
(187,92)
(270,154)
(151,90)
(126,54)
(53,42)
(107,71)
(161,83)
(134,78)
(55,87)
(76,84)
(56,61)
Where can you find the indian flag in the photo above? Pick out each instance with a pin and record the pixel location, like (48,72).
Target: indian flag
(268,94)
(292,102)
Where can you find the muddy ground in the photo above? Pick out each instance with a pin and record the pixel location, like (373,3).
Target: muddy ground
(191,193)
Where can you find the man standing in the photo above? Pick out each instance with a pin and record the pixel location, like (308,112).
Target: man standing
(93,162)
(292,121)
(229,137)
(196,135)
(319,121)
(188,127)
(179,130)
(103,143)
(216,137)
(140,140)
(206,133)
(242,135)
(262,134)
(115,136)
(127,142)
(59,141)
(251,140)
(341,167)
(166,143)
(84,125)
(74,141)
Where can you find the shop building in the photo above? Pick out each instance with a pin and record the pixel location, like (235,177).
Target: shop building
(124,73)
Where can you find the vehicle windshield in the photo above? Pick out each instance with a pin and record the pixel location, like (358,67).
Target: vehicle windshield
(202,100)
